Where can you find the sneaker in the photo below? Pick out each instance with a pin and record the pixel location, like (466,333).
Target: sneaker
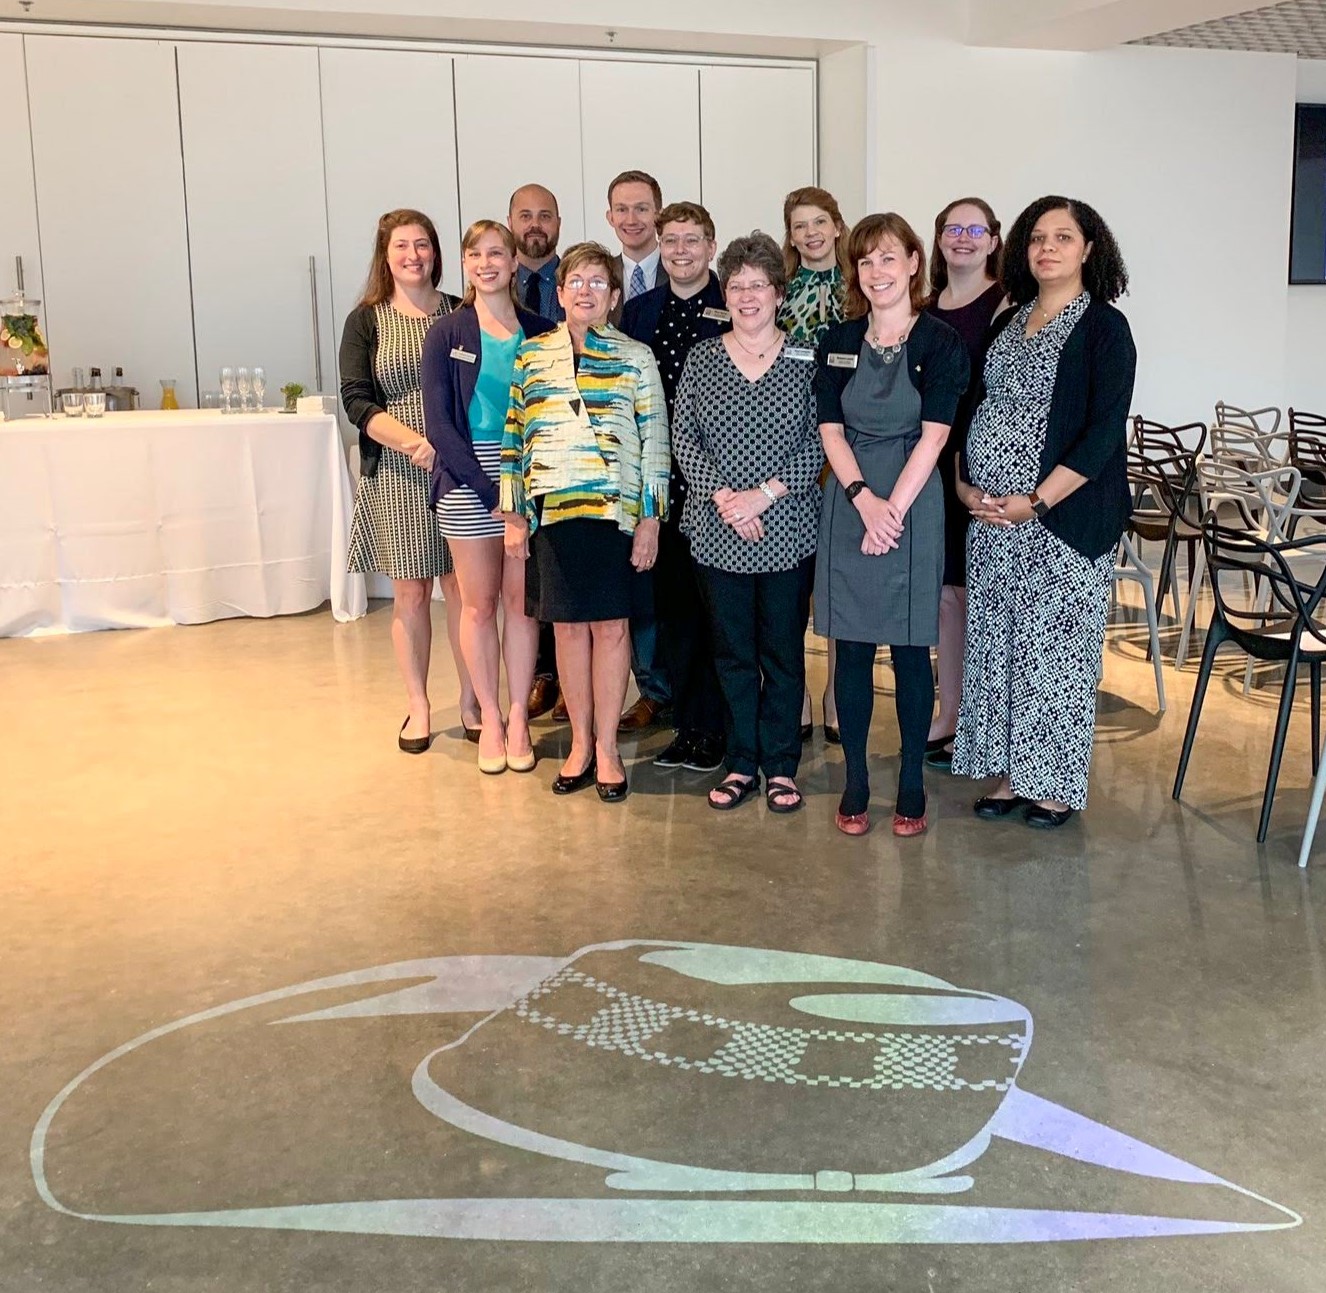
(705,754)
(676,754)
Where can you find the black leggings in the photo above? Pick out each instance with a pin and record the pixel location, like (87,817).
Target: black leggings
(914,695)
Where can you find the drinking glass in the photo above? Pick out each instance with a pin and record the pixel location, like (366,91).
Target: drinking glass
(259,386)
(243,383)
(73,404)
(227,388)
(94,403)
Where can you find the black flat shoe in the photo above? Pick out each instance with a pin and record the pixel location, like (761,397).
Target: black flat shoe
(932,747)
(806,730)
(1046,819)
(563,785)
(612,792)
(413,744)
(991,808)
(940,758)
(675,756)
(832,736)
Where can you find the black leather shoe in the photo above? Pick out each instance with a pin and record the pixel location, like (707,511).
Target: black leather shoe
(612,792)
(806,730)
(413,744)
(990,808)
(676,754)
(1046,819)
(832,736)
(569,785)
(705,755)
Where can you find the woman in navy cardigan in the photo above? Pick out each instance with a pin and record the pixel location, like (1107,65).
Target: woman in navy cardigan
(467,364)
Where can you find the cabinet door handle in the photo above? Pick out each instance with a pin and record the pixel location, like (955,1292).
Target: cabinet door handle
(317,336)
(18,273)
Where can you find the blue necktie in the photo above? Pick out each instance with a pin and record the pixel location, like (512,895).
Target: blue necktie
(637,282)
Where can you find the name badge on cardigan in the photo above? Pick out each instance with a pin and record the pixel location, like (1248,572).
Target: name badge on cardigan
(842,361)
(803,353)
(717,315)
(459,352)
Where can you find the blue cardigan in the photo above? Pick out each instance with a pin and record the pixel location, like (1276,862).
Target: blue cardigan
(448,387)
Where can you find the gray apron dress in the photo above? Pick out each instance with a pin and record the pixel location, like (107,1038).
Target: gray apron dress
(893,598)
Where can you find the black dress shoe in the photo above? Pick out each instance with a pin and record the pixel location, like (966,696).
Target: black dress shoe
(677,753)
(806,730)
(612,792)
(1046,819)
(413,744)
(563,785)
(705,755)
(832,736)
(989,807)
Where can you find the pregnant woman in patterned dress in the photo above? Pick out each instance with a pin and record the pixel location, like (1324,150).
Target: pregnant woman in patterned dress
(394,530)
(1044,476)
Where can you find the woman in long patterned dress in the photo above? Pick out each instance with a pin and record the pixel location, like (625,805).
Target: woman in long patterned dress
(1044,477)
(394,530)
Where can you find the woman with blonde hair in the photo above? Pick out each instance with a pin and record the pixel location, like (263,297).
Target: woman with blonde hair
(393,530)
(468,362)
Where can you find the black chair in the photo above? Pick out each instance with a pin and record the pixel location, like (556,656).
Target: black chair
(1307,452)
(1157,440)
(1166,510)
(1286,626)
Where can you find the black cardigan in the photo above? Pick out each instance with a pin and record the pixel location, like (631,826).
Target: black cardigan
(361,396)
(643,314)
(937,363)
(1087,429)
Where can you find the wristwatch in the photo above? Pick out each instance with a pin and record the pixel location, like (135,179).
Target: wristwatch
(1038,504)
(854,489)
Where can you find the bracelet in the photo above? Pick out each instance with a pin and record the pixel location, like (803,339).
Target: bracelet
(767,492)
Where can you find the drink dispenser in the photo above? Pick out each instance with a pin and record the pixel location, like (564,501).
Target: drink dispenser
(25,364)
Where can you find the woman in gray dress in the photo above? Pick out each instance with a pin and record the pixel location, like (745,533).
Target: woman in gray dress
(888,385)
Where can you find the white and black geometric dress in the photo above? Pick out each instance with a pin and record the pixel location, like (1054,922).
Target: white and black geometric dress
(1036,608)
(394,530)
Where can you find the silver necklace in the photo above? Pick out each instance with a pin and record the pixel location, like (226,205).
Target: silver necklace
(752,353)
(889,353)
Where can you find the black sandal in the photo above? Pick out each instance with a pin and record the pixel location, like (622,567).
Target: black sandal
(781,788)
(735,791)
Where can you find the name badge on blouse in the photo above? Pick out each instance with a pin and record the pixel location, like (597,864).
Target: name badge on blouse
(842,361)
(459,352)
(803,353)
(717,315)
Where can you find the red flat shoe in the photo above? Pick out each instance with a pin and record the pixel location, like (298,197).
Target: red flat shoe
(908,826)
(852,823)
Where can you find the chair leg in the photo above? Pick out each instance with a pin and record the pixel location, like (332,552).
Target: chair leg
(1278,745)
(1192,561)
(1315,671)
(1215,635)
(1181,653)
(1153,627)
(1314,813)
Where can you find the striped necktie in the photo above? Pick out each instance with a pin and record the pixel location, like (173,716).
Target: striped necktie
(637,282)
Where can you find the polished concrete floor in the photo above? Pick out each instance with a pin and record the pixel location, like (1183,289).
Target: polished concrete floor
(287,1010)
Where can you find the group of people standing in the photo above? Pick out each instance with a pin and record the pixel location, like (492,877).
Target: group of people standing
(655,468)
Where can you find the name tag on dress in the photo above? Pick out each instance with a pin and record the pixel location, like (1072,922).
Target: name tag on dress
(842,361)
(459,352)
(717,315)
(803,353)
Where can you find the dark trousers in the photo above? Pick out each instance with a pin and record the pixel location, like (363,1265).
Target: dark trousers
(914,697)
(685,641)
(545,663)
(759,626)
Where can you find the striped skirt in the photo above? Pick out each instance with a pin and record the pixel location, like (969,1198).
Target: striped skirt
(460,515)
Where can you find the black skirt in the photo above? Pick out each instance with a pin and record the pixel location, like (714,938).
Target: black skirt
(581,572)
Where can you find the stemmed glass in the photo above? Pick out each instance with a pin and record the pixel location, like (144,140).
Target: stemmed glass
(244,382)
(227,388)
(259,387)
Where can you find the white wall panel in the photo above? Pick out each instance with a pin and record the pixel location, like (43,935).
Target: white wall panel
(110,193)
(638,116)
(747,169)
(18,209)
(518,122)
(252,128)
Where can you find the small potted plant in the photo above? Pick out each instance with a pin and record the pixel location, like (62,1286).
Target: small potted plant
(292,391)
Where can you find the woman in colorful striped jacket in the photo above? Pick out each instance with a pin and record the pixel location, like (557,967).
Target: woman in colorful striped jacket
(585,461)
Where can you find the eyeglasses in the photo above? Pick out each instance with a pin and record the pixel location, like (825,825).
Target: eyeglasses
(971,230)
(739,289)
(575,283)
(690,241)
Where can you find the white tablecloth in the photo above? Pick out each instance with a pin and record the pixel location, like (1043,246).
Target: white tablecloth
(137,520)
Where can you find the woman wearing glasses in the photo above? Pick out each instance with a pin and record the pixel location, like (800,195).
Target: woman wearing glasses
(964,293)
(584,484)
(744,437)
(888,387)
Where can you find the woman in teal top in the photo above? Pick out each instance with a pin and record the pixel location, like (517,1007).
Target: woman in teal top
(467,370)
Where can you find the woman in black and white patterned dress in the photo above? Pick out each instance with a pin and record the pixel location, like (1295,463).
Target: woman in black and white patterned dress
(394,530)
(744,435)
(1044,476)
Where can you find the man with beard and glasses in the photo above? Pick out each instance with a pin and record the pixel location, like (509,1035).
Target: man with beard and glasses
(670,319)
(536,222)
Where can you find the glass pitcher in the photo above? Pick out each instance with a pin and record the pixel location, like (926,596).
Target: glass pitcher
(168,397)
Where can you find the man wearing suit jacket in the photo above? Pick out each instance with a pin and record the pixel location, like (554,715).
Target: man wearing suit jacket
(671,319)
(634,199)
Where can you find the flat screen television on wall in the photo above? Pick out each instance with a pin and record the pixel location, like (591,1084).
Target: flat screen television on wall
(1307,235)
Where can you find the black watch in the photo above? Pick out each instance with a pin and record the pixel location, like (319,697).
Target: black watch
(1038,504)
(854,489)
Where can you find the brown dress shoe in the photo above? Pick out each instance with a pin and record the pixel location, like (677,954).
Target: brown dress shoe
(559,711)
(644,713)
(543,696)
